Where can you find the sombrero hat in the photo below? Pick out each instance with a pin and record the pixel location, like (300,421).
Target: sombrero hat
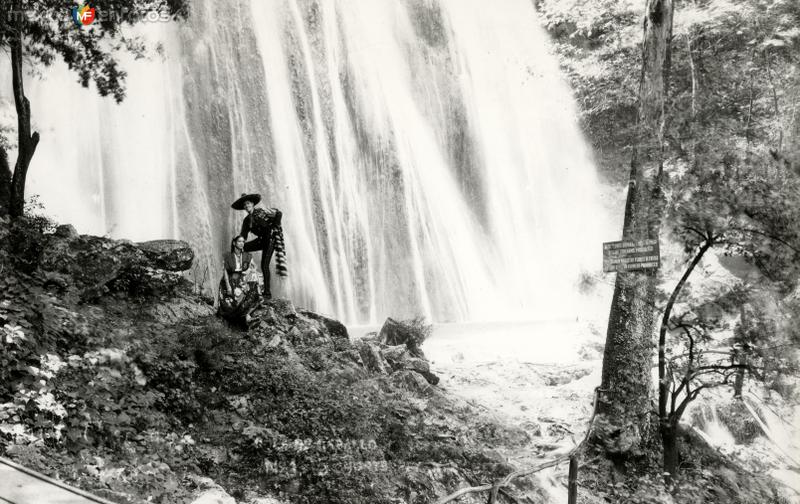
(239,203)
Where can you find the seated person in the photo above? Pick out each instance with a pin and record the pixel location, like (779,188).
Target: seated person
(238,291)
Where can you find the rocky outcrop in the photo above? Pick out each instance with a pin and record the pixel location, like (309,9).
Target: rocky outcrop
(150,385)
(372,358)
(170,255)
(397,359)
(96,266)
(335,328)
(395,333)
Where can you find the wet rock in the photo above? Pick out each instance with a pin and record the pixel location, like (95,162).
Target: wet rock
(372,358)
(422,367)
(334,328)
(564,376)
(395,333)
(89,259)
(66,231)
(371,336)
(97,266)
(399,358)
(395,355)
(171,255)
(417,364)
(411,380)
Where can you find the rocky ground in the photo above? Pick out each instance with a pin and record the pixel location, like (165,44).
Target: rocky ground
(117,377)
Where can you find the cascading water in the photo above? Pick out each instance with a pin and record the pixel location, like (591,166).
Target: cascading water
(425,153)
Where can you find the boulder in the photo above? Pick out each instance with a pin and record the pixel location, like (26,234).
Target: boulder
(399,358)
(66,231)
(422,367)
(395,355)
(417,364)
(372,358)
(394,333)
(90,261)
(98,265)
(170,255)
(334,328)
(410,380)
(371,336)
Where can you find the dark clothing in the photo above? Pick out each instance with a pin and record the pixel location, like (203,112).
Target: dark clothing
(261,225)
(232,306)
(229,262)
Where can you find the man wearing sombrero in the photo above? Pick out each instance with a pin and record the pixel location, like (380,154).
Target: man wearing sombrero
(266,226)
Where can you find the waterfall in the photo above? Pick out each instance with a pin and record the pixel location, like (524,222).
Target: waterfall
(425,153)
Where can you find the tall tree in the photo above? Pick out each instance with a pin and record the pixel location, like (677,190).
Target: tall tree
(625,410)
(87,38)
(5,180)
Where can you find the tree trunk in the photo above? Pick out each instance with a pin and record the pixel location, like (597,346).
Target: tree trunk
(663,379)
(5,183)
(626,380)
(738,382)
(669,444)
(27,141)
(741,340)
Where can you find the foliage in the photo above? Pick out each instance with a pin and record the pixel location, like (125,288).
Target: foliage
(91,51)
(706,476)
(751,216)
(36,32)
(734,75)
(417,330)
(733,176)
(26,237)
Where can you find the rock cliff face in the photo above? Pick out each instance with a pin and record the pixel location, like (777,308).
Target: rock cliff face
(117,377)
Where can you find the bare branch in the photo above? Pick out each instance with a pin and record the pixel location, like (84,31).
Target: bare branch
(767,235)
